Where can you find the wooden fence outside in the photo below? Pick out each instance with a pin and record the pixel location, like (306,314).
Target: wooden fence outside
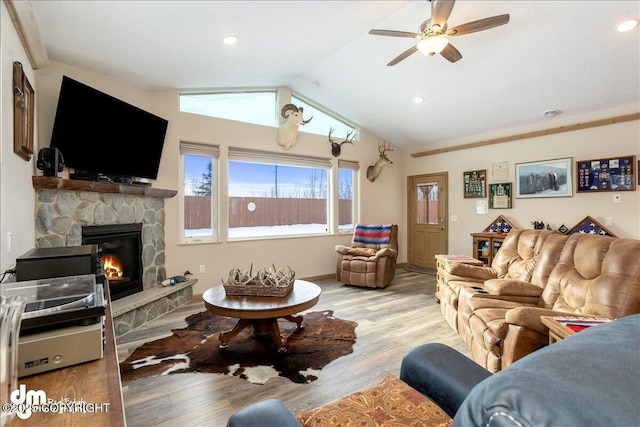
(430,215)
(268,211)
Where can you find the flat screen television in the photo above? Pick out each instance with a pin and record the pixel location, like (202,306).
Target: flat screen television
(100,135)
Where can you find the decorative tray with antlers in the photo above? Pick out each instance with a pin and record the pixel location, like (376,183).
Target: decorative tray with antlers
(265,283)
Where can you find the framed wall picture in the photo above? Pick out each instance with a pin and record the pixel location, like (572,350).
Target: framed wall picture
(612,174)
(544,178)
(500,195)
(23,113)
(500,172)
(475,183)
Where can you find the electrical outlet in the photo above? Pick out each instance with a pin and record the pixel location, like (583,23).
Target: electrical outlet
(617,198)
(201,268)
(607,221)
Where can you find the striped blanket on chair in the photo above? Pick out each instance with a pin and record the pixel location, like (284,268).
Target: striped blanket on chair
(376,234)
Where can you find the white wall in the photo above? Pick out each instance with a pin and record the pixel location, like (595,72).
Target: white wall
(17,198)
(381,201)
(621,139)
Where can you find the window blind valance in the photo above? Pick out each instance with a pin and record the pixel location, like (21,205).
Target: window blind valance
(269,157)
(199,148)
(348,164)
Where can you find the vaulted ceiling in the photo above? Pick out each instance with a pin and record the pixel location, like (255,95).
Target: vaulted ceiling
(562,55)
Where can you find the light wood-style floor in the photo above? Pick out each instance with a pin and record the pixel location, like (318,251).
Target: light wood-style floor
(391,321)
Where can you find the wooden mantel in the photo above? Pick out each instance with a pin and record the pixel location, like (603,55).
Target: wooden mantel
(51,183)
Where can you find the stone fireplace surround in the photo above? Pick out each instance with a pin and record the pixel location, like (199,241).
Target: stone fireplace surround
(63,206)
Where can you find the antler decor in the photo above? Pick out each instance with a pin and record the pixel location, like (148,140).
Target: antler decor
(374,170)
(336,147)
(272,282)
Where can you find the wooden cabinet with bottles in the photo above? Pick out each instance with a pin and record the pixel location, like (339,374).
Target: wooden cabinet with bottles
(487,242)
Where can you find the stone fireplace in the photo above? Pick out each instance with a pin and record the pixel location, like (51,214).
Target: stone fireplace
(70,213)
(61,215)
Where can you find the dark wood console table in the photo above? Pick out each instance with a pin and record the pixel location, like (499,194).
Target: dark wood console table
(95,382)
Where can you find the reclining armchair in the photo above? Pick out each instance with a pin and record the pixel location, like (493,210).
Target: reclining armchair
(515,259)
(370,261)
(585,380)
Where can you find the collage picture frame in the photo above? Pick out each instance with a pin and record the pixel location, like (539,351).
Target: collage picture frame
(475,184)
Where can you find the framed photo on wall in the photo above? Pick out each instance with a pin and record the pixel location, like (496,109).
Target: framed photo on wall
(612,174)
(23,113)
(475,183)
(500,195)
(544,178)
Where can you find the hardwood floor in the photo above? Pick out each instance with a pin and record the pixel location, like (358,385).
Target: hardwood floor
(391,321)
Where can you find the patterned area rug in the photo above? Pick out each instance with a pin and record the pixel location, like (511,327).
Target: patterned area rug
(322,339)
(392,403)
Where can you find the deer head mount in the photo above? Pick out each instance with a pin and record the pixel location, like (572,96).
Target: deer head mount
(336,147)
(288,129)
(374,170)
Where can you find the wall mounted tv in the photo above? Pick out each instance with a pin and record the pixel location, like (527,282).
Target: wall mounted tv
(102,137)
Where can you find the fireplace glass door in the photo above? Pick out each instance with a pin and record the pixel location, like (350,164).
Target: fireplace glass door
(119,248)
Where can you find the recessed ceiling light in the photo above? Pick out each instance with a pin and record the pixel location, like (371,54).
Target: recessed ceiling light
(627,25)
(230,40)
(418,99)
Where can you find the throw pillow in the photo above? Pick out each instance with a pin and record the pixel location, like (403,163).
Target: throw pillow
(363,252)
(390,403)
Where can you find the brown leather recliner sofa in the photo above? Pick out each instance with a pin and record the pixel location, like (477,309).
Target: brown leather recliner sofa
(516,259)
(577,275)
(371,265)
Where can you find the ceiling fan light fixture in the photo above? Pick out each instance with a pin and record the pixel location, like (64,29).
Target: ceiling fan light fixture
(432,45)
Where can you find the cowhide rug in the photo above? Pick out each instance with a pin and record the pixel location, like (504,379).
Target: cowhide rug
(322,339)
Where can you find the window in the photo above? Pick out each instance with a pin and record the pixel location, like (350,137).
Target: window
(427,203)
(273,194)
(198,192)
(347,190)
(257,107)
(261,107)
(322,122)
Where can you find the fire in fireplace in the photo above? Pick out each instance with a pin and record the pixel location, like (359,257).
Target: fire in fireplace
(120,249)
(112,268)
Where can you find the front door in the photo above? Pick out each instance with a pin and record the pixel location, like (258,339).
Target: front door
(428,235)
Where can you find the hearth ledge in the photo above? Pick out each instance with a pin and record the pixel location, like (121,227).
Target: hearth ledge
(135,310)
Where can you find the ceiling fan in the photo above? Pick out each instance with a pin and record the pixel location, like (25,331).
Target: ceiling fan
(433,37)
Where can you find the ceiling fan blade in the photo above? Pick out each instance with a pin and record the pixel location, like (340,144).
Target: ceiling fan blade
(441,11)
(403,55)
(450,53)
(392,33)
(479,25)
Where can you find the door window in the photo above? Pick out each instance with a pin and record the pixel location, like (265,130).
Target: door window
(427,203)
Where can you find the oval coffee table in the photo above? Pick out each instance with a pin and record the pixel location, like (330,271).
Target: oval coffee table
(262,312)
